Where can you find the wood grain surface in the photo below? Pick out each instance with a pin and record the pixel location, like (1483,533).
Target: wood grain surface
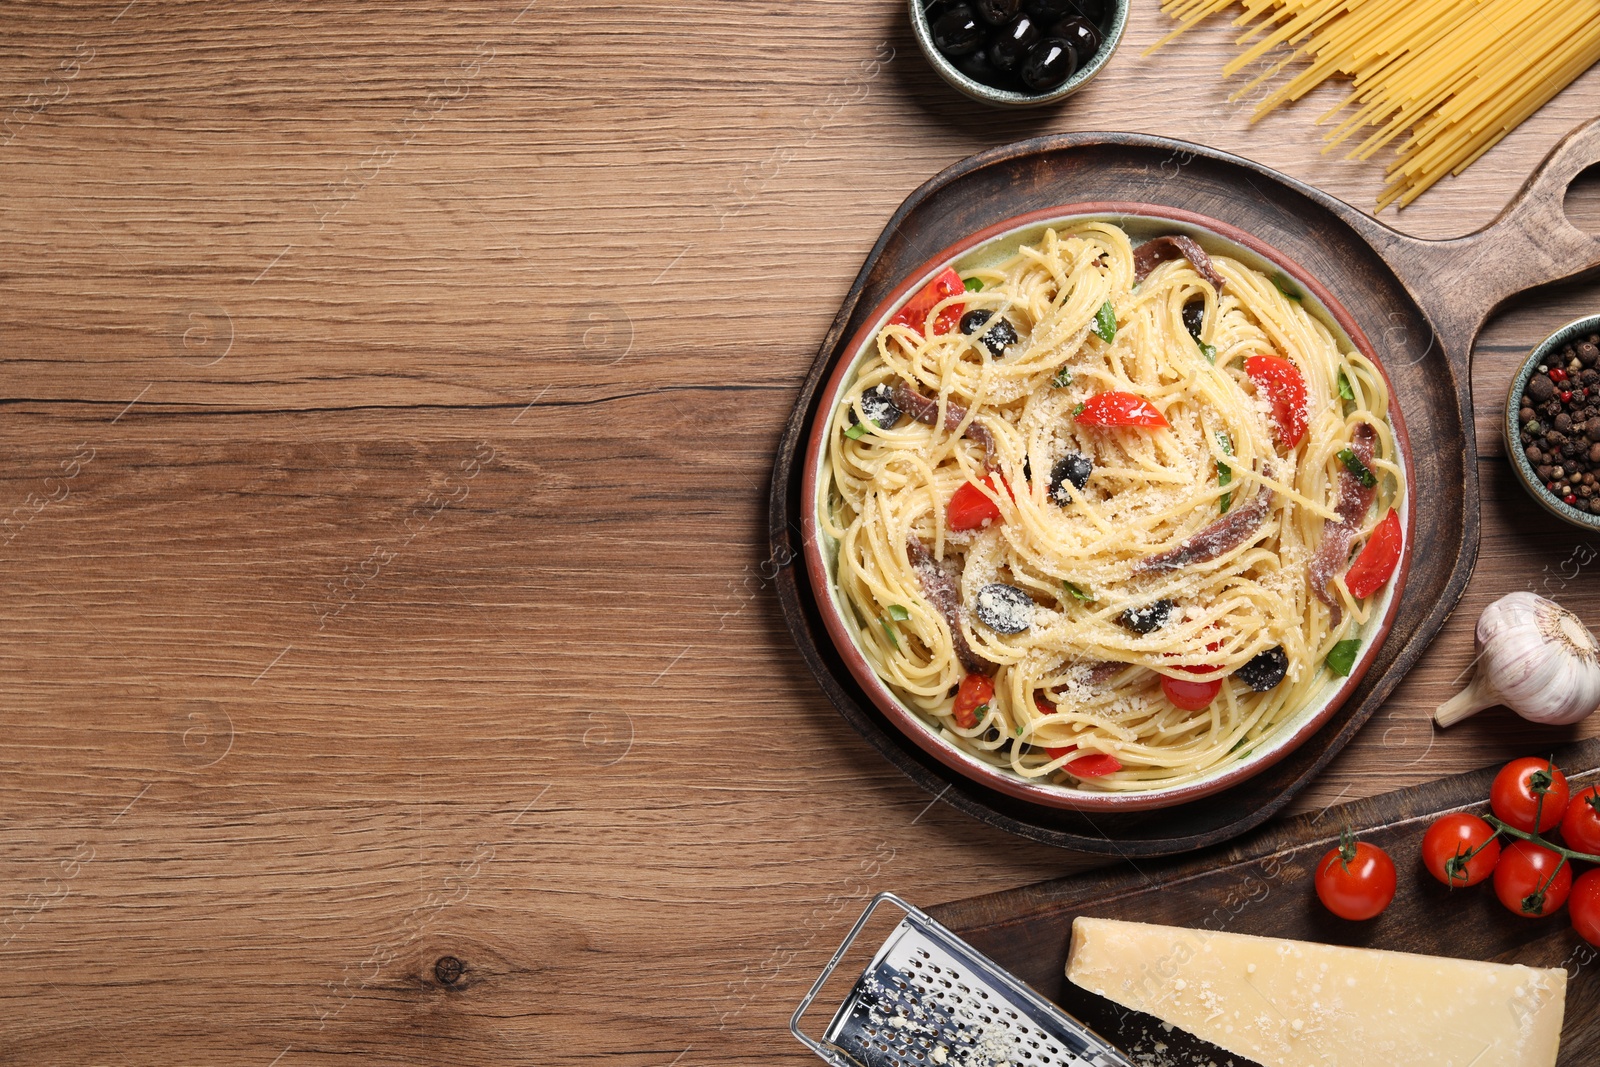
(390,667)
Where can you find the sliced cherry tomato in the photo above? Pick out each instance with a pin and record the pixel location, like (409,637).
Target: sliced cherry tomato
(1285,389)
(946,283)
(1580,826)
(1584,905)
(976,691)
(1119,409)
(1519,789)
(1532,881)
(971,508)
(1094,765)
(1377,559)
(1190,696)
(1355,880)
(1460,849)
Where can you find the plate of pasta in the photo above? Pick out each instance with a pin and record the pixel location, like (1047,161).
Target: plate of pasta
(1106,506)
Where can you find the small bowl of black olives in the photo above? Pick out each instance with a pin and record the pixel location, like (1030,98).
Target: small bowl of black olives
(1018,53)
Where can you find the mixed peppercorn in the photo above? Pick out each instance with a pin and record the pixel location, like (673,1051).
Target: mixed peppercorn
(1560,418)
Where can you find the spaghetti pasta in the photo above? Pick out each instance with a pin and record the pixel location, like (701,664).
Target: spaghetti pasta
(1130,559)
(1456,76)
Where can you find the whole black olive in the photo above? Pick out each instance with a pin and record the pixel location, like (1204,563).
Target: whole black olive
(1005,609)
(1074,468)
(994,12)
(975,318)
(934,10)
(1048,11)
(976,66)
(1080,33)
(878,405)
(1194,317)
(958,32)
(1011,42)
(1048,64)
(1265,670)
(1150,618)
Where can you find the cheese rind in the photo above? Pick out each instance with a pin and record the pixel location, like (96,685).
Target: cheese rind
(1299,1004)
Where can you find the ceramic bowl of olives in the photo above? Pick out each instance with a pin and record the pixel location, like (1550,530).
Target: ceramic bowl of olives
(1018,53)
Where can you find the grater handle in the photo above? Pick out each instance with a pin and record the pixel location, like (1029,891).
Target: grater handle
(828,1052)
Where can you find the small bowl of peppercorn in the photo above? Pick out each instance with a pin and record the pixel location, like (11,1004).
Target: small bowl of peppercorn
(1552,423)
(1018,53)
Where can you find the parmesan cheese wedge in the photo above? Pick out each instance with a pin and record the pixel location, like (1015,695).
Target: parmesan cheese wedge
(1298,1004)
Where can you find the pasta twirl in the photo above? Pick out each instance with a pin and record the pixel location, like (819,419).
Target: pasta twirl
(1081,678)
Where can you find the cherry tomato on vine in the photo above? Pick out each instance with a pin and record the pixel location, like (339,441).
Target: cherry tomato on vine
(1355,880)
(1585,907)
(1532,881)
(1580,826)
(1519,788)
(1460,850)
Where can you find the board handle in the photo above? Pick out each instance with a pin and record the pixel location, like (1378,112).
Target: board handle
(1531,243)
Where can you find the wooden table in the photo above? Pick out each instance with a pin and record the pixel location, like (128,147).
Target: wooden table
(390,669)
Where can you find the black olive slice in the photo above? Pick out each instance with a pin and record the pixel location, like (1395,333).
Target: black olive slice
(1005,609)
(1150,618)
(1072,467)
(1265,670)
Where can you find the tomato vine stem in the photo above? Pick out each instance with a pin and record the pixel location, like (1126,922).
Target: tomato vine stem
(1566,853)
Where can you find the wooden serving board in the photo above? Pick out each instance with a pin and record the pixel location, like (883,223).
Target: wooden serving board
(1262,884)
(1421,302)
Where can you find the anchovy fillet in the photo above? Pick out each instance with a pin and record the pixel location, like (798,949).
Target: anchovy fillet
(1154,252)
(940,589)
(925,409)
(1354,500)
(1218,539)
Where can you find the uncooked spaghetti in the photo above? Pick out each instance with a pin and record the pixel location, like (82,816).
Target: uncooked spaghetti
(1093,523)
(1451,76)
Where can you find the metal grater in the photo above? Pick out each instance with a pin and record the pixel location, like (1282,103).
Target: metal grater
(928,999)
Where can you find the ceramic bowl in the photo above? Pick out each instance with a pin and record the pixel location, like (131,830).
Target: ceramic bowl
(1115,21)
(1142,222)
(1511,428)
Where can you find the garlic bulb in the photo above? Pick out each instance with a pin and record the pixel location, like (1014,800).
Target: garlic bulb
(1536,658)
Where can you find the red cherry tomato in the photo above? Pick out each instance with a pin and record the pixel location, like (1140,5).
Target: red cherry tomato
(1285,389)
(1532,881)
(976,691)
(1520,786)
(1580,826)
(1377,559)
(1355,880)
(1460,850)
(1094,765)
(1190,696)
(971,508)
(1119,409)
(946,283)
(1584,905)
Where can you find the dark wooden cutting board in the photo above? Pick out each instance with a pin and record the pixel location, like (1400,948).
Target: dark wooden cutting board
(1262,885)
(1421,302)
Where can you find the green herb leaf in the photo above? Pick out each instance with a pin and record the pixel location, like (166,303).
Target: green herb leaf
(1063,378)
(1209,351)
(1345,389)
(1077,409)
(1353,464)
(1105,322)
(888,629)
(980,711)
(1342,659)
(1078,592)
(972,285)
(1019,731)
(856,432)
(1225,477)
(1287,287)
(1225,442)
(898,612)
